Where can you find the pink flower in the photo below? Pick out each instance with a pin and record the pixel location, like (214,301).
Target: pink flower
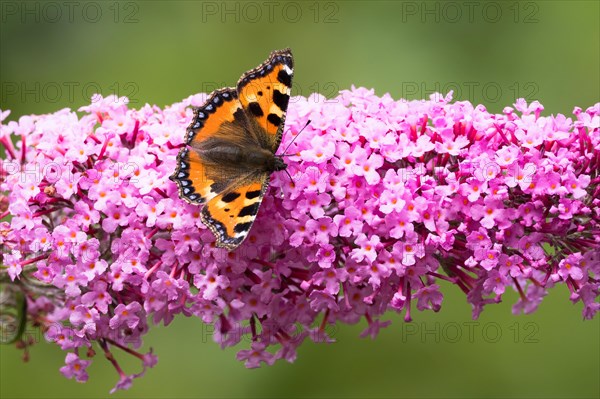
(12,262)
(349,223)
(474,189)
(569,267)
(320,150)
(85,318)
(374,327)
(489,212)
(97,298)
(509,265)
(116,216)
(576,185)
(399,225)
(506,155)
(210,284)
(429,297)
(369,168)
(126,314)
(124,383)
(367,248)
(75,367)
(495,282)
(391,201)
(255,356)
(326,256)
(313,204)
(452,146)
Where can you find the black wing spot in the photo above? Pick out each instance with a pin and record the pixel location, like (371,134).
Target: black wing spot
(255,108)
(238,115)
(252,194)
(284,78)
(260,93)
(229,197)
(281,99)
(242,227)
(249,210)
(274,119)
(226,209)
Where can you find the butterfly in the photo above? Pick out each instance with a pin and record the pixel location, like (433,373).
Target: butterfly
(230,147)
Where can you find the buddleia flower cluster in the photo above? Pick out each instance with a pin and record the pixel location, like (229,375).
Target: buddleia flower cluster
(387,204)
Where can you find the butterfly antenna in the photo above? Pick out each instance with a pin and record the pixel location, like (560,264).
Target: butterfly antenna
(294,139)
(281,187)
(290,176)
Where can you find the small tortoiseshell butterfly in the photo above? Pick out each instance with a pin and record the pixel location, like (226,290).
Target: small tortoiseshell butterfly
(230,149)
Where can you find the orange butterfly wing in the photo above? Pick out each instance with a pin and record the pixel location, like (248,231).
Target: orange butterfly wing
(197,179)
(231,214)
(235,124)
(264,92)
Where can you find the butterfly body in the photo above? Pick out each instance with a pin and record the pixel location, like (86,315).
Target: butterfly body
(230,149)
(249,157)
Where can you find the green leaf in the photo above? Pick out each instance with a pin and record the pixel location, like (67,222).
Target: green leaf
(13,313)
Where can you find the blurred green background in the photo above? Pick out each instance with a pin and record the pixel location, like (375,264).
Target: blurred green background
(56,54)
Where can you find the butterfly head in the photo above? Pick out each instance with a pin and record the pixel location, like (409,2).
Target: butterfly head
(279,164)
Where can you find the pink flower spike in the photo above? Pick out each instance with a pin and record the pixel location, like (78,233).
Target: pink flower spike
(389,200)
